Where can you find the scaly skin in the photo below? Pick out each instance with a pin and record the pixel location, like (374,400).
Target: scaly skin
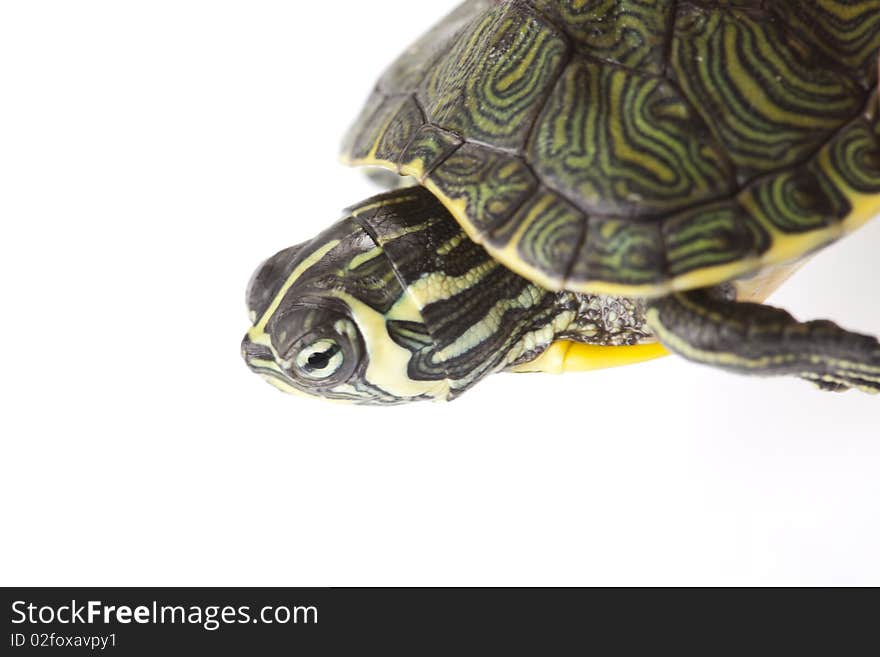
(709,327)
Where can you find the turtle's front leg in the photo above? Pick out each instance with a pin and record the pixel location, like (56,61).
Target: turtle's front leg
(708,326)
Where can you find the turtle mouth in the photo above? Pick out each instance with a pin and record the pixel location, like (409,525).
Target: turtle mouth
(251,352)
(261,361)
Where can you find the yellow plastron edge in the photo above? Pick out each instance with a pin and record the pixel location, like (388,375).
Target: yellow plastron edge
(566,356)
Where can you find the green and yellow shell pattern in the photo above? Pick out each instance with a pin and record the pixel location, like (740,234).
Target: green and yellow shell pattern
(639,147)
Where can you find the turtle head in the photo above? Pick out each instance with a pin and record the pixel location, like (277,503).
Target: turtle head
(326,318)
(391,304)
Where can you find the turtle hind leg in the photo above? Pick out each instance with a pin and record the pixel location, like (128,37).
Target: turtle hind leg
(707,326)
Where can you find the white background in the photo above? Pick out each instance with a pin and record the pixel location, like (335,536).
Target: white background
(151,154)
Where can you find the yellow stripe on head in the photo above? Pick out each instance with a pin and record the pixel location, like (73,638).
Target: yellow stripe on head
(257,333)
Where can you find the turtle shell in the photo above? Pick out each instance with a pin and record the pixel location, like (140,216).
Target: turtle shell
(634,147)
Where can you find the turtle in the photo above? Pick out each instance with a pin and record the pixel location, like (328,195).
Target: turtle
(585,184)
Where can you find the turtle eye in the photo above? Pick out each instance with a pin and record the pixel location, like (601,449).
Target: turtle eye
(327,350)
(320,360)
